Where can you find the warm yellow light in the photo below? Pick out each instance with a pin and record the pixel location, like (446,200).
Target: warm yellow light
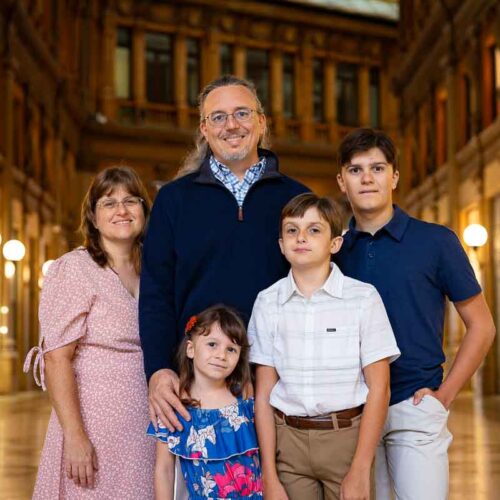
(475,235)
(26,274)
(40,282)
(14,250)
(0,239)
(4,330)
(4,310)
(46,265)
(9,269)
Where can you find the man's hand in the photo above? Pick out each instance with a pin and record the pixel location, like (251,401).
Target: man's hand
(355,485)
(418,396)
(274,490)
(164,400)
(80,459)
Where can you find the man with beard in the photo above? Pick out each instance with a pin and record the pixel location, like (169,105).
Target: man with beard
(213,233)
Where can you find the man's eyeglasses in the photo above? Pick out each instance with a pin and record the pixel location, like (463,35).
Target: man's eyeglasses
(219,118)
(130,203)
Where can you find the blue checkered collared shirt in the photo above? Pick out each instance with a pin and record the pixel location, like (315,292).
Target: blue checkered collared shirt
(231,182)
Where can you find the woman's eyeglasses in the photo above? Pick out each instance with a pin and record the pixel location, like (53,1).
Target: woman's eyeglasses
(130,203)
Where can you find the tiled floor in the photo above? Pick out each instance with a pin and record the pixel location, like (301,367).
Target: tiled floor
(474,455)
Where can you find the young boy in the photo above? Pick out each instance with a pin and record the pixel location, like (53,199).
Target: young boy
(414,266)
(323,344)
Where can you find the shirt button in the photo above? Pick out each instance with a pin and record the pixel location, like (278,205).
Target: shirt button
(370,255)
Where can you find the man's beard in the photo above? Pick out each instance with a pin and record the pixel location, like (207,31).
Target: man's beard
(236,155)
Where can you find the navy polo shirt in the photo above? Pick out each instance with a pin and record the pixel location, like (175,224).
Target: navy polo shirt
(415,266)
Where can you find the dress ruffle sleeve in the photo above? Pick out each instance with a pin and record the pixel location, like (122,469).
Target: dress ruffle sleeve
(212,434)
(65,302)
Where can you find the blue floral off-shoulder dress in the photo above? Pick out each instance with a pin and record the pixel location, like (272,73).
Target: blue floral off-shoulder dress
(218,451)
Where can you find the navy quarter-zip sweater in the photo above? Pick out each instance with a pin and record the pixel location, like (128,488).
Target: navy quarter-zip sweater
(200,250)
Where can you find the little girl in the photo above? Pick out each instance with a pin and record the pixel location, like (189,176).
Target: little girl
(217,448)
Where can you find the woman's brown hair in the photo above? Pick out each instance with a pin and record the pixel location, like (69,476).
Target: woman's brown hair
(103,184)
(232,326)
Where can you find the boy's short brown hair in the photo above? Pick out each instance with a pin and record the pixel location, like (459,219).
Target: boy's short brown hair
(364,139)
(326,207)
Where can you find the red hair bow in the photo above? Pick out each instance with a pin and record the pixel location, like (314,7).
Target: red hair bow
(190,324)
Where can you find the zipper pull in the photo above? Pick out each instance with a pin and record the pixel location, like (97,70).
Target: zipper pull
(240,213)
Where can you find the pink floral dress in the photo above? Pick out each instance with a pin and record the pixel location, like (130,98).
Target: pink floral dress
(84,302)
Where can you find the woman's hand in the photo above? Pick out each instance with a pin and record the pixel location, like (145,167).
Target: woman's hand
(80,459)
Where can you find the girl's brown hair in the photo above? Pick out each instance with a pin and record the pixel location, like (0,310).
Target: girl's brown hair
(232,326)
(103,184)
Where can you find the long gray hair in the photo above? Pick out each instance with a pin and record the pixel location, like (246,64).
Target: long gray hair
(195,157)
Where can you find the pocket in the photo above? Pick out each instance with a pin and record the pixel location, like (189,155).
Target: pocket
(278,421)
(339,348)
(436,403)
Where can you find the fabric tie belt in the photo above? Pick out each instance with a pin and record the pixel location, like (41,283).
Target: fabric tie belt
(335,420)
(38,366)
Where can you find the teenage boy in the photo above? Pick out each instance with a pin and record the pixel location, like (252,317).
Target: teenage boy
(414,266)
(323,344)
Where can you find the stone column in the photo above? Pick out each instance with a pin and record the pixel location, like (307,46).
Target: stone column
(7,346)
(496,34)
(106,85)
(364,96)
(240,61)
(210,58)
(305,104)
(331,99)
(276,97)
(451,143)
(138,67)
(180,80)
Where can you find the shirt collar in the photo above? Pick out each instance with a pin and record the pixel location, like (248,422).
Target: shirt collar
(217,165)
(333,285)
(396,227)
(205,174)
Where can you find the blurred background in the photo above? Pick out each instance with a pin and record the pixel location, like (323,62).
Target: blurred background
(85,84)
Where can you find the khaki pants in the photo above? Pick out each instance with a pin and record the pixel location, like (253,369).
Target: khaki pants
(312,463)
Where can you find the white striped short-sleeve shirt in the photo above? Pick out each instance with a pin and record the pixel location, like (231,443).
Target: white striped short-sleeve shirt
(320,345)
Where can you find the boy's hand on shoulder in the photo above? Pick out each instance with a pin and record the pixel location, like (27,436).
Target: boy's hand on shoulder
(274,490)
(355,486)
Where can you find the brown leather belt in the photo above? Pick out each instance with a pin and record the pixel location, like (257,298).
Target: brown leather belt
(342,418)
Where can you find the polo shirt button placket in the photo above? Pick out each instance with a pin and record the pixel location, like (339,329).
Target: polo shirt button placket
(371,255)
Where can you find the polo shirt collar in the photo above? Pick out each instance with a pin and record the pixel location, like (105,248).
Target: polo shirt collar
(333,285)
(396,227)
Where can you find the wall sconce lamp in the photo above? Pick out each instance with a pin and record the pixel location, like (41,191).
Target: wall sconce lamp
(475,236)
(9,269)
(14,250)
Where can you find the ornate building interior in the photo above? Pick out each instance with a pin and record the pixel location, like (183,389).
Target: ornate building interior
(87,84)
(448,87)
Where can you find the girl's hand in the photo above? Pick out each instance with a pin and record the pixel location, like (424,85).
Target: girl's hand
(80,459)
(274,490)
(355,486)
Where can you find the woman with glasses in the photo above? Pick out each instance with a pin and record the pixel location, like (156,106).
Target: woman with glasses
(90,356)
